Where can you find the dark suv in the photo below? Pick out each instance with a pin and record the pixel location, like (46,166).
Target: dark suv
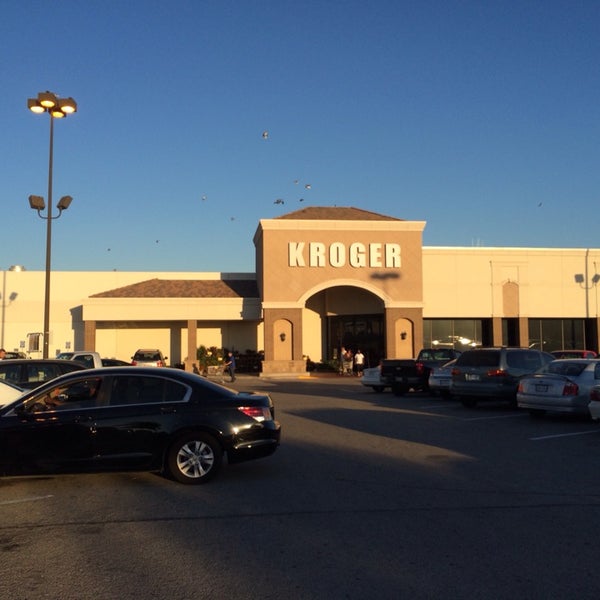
(493,373)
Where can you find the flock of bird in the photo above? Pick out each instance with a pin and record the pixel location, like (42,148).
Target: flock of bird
(307,186)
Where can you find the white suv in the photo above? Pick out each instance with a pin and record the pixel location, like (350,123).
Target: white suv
(148,358)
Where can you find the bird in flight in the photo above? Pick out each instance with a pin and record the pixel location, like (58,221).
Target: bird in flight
(279,201)
(265,135)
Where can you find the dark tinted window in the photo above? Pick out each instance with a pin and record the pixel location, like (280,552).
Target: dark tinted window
(10,372)
(523,359)
(131,389)
(565,368)
(83,393)
(441,354)
(41,372)
(479,358)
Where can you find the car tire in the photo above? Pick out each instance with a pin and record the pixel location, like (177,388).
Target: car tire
(194,458)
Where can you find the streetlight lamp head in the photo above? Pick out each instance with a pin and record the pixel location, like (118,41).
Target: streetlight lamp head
(47,99)
(57,113)
(34,106)
(37,202)
(64,202)
(67,105)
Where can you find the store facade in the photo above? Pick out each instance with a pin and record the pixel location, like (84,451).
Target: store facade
(326,278)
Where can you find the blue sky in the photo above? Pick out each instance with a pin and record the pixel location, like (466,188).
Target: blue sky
(480,118)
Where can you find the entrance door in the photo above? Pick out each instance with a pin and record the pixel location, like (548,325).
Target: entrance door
(364,332)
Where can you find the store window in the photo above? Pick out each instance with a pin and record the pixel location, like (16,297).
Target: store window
(34,342)
(558,334)
(460,334)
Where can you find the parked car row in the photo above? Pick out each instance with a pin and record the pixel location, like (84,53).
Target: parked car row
(20,374)
(530,379)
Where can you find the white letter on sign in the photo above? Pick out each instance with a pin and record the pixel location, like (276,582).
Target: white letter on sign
(392,256)
(357,255)
(375,255)
(295,257)
(316,251)
(337,254)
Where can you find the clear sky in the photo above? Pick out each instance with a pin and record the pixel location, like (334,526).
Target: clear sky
(481,118)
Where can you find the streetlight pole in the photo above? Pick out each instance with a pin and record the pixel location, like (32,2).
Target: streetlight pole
(57,108)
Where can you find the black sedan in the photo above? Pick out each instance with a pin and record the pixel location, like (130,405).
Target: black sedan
(132,418)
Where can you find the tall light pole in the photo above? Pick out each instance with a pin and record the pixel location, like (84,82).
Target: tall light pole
(57,108)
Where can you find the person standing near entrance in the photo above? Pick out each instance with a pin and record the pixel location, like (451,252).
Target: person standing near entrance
(230,366)
(359,362)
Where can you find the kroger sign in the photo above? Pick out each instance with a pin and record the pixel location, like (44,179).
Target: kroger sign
(336,254)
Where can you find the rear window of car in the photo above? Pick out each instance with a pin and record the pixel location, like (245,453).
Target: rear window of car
(479,358)
(147,356)
(443,354)
(133,389)
(568,368)
(523,359)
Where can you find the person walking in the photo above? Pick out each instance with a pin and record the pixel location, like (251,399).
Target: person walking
(230,366)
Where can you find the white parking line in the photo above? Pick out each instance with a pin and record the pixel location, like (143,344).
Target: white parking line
(512,416)
(20,500)
(558,435)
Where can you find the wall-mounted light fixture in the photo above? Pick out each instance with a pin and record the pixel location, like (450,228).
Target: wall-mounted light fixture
(403,335)
(282,336)
(582,280)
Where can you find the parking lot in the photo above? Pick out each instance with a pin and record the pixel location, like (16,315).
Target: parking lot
(370,495)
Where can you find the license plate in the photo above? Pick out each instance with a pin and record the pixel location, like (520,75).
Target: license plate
(472,377)
(540,387)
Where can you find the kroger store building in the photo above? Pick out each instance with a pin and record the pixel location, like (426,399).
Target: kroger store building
(325,277)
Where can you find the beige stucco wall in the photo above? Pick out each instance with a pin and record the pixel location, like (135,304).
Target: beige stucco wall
(470,282)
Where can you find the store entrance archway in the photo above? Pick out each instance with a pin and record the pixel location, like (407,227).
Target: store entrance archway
(348,317)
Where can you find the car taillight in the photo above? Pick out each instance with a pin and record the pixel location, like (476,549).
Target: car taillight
(260,413)
(455,371)
(497,373)
(160,363)
(595,394)
(570,389)
(420,368)
(134,363)
(520,388)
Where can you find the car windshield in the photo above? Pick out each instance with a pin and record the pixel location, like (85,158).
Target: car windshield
(564,367)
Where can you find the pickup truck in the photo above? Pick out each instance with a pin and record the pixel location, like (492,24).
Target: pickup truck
(91,360)
(404,374)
